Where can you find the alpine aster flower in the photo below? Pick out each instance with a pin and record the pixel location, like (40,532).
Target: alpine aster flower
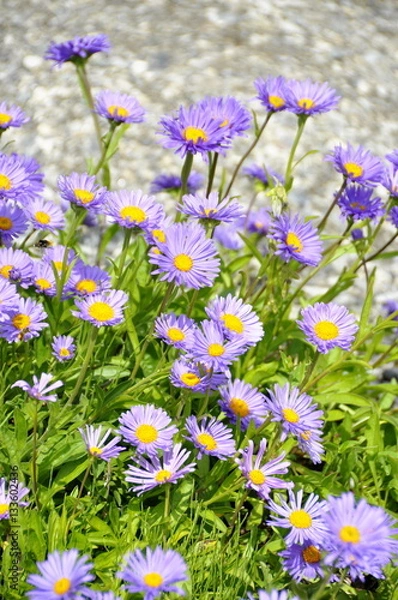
(210,208)
(296,239)
(96,444)
(328,326)
(238,320)
(8,299)
(43,278)
(105,308)
(18,177)
(305,523)
(263,175)
(11,494)
(147,428)
(234,118)
(86,280)
(391,180)
(356,203)
(261,478)
(82,189)
(310,442)
(259,221)
(303,562)
(119,108)
(177,331)
(154,572)
(239,400)
(196,376)
(93,595)
(62,576)
(357,164)
(44,215)
(211,347)
(63,347)
(173,183)
(12,222)
(78,49)
(16,266)
(392,157)
(272,595)
(40,390)
(58,256)
(310,98)
(359,536)
(133,209)
(11,116)
(26,321)
(210,437)
(272,92)
(148,474)
(392,216)
(187,257)
(227,234)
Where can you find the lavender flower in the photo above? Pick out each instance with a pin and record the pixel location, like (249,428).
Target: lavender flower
(272,92)
(77,50)
(63,347)
(119,108)
(356,203)
(173,183)
(234,118)
(238,320)
(18,177)
(82,190)
(96,444)
(26,321)
(11,116)
(43,278)
(328,326)
(105,308)
(303,562)
(211,347)
(11,493)
(210,208)
(44,215)
(178,331)
(16,266)
(147,428)
(210,437)
(296,239)
(239,400)
(86,280)
(12,222)
(196,376)
(310,98)
(134,209)
(357,164)
(40,390)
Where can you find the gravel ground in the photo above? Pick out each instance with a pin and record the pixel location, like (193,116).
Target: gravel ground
(172,52)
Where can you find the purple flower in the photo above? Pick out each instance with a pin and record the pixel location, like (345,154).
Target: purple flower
(238,320)
(391,180)
(305,523)
(193,130)
(82,189)
(263,175)
(210,208)
(356,203)
(358,165)
(310,98)
(45,215)
(147,428)
(187,257)
(86,280)
(357,234)
(173,183)
(149,474)
(234,118)
(93,595)
(11,116)
(328,326)
(8,299)
(358,537)
(296,239)
(16,266)
(134,209)
(43,278)
(58,256)
(239,400)
(227,234)
(96,444)
(26,321)
(12,222)
(195,376)
(272,595)
(272,92)
(63,575)
(177,331)
(210,437)
(78,49)
(303,562)
(18,177)
(154,572)
(119,108)
(310,441)
(261,478)
(211,347)
(105,308)
(259,221)
(391,306)
(40,390)
(392,157)
(63,347)
(13,495)
(392,216)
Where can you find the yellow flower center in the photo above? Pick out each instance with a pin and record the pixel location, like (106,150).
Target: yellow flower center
(306,435)
(5,271)
(294,241)
(190,379)
(311,554)
(43,284)
(101,311)
(5,182)
(5,223)
(233,323)
(163,475)
(86,285)
(209,211)
(132,213)
(358,205)
(42,217)
(353,169)
(21,321)
(350,534)
(4,118)
(326,330)
(257,477)
(64,352)
(147,434)
(276,101)
(4,508)
(176,335)
(183,262)
(84,196)
(95,451)
(58,265)
(306,103)
(216,350)
(239,407)
(300,519)
(62,586)
(290,415)
(159,235)
(153,579)
(118,111)
(206,440)
(194,134)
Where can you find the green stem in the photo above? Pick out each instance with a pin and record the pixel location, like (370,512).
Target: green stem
(103,159)
(87,358)
(385,354)
(311,368)
(375,254)
(301,121)
(86,89)
(238,506)
(34,457)
(212,171)
(83,483)
(123,256)
(331,207)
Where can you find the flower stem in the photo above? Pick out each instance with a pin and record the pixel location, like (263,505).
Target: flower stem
(331,207)
(86,89)
(90,348)
(375,254)
(123,256)
(83,483)
(301,121)
(212,170)
(34,457)
(107,142)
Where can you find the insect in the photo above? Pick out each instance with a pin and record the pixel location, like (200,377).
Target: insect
(44,244)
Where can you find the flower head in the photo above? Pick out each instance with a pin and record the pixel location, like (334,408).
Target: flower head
(177,331)
(119,108)
(78,49)
(261,478)
(296,239)
(210,208)
(393,216)
(259,221)
(40,390)
(272,595)
(196,376)
(263,175)
(227,234)
(213,349)
(154,572)
(173,183)
(237,319)
(105,308)
(18,177)
(11,116)
(392,157)
(328,326)
(272,92)
(8,298)
(391,180)
(82,189)
(94,595)
(356,203)
(43,278)
(147,428)
(234,118)
(134,209)
(61,577)
(357,164)
(96,444)
(149,474)
(187,257)
(86,280)
(16,266)
(11,494)
(45,215)
(310,98)
(63,347)
(303,561)
(239,400)
(12,222)
(210,437)
(26,321)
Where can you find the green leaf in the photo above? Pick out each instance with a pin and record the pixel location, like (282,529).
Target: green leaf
(367,306)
